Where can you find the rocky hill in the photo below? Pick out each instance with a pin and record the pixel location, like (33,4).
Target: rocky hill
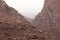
(13,26)
(9,14)
(49,18)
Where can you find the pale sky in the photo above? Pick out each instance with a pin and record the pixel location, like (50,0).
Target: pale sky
(28,8)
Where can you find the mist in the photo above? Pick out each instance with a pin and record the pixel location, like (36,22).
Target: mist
(28,8)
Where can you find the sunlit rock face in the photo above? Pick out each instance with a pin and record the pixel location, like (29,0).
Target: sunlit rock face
(49,18)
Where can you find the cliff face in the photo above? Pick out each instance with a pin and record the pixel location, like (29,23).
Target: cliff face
(49,18)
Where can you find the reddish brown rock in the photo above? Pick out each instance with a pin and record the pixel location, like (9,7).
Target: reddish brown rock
(49,18)
(9,14)
(13,26)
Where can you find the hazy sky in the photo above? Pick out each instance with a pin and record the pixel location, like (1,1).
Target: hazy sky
(28,8)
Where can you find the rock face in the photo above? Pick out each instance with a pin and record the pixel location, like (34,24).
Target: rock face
(49,18)
(13,26)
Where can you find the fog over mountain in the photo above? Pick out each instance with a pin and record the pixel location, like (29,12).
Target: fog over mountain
(28,8)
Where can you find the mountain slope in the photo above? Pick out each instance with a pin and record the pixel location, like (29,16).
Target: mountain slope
(10,14)
(13,26)
(49,18)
